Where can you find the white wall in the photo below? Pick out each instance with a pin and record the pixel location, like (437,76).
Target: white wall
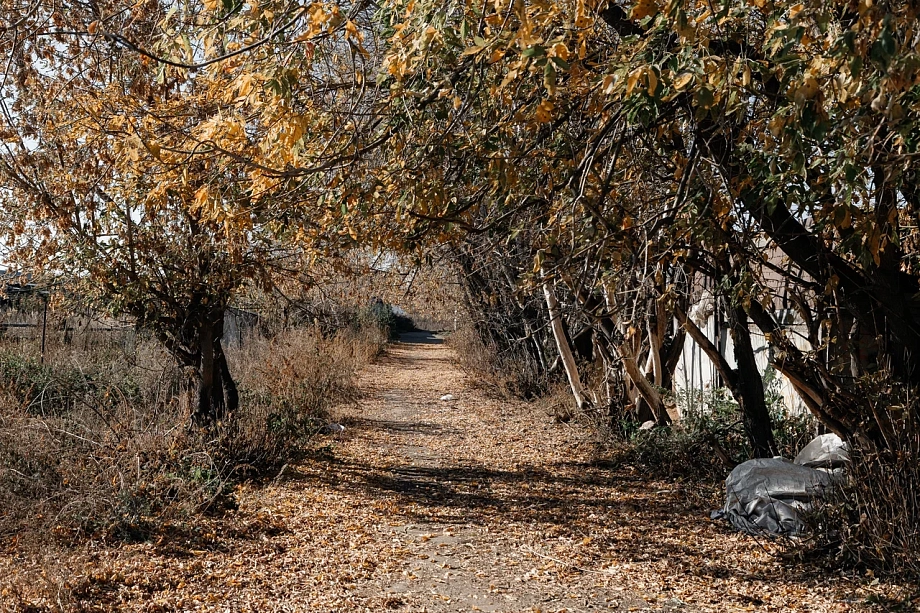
(695,372)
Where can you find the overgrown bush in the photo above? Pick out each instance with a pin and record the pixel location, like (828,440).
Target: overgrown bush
(287,386)
(116,458)
(46,390)
(99,460)
(511,374)
(872,521)
(710,439)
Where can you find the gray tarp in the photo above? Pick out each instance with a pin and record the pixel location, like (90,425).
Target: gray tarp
(768,495)
(825,451)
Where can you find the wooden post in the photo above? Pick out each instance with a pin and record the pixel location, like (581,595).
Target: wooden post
(44,327)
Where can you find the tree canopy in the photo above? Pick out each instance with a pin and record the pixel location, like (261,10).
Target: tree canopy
(764,147)
(622,155)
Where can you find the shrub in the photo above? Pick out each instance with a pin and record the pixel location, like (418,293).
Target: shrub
(42,389)
(710,438)
(512,373)
(872,521)
(115,458)
(287,386)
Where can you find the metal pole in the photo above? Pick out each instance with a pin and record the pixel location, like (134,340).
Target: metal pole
(44,326)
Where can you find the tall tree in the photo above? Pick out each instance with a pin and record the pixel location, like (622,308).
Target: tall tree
(764,133)
(166,154)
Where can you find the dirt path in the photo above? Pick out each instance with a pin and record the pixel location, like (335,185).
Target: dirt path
(469,504)
(472,500)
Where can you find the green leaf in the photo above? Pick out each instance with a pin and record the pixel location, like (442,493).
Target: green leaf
(856,66)
(535,51)
(704,97)
(851,172)
(549,78)
(561,63)
(883,48)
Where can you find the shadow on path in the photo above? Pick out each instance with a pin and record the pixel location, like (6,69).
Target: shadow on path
(420,337)
(475,494)
(398,427)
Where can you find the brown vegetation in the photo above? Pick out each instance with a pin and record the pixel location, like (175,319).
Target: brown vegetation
(504,372)
(95,443)
(423,504)
(592,170)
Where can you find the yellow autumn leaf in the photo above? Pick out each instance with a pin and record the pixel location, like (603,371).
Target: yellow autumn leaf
(511,76)
(775,125)
(154,150)
(644,8)
(560,50)
(351,30)
(244,85)
(633,79)
(608,84)
(201,198)
(807,90)
(682,80)
(652,82)
(582,20)
(306,36)
(544,112)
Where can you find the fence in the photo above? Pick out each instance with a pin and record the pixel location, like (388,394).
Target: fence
(48,329)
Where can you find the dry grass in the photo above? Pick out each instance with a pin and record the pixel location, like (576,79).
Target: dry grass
(872,522)
(95,444)
(511,374)
(287,386)
(85,442)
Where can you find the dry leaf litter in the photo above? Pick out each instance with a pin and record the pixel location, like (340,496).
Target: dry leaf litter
(422,504)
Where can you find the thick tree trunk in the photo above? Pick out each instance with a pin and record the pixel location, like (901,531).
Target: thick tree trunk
(216,393)
(744,382)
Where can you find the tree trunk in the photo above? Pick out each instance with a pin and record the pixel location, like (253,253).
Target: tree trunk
(216,393)
(562,344)
(747,387)
(648,397)
(646,389)
(744,382)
